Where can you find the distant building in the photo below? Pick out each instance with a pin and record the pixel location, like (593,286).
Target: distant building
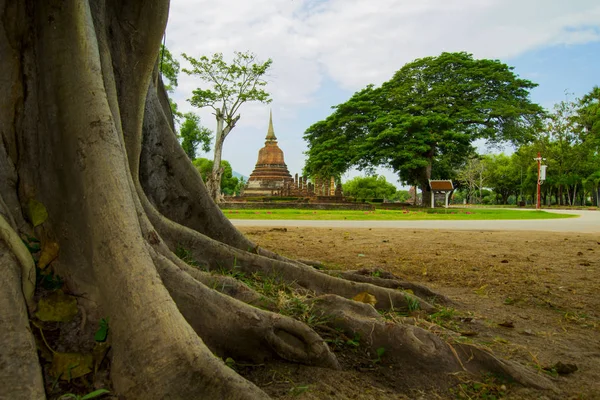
(270,175)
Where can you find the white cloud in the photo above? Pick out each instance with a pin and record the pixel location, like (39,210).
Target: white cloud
(356,42)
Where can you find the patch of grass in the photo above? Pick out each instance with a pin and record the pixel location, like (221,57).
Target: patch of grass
(354,342)
(509,301)
(445,318)
(582,319)
(295,306)
(289,301)
(489,387)
(412,303)
(298,390)
(186,255)
(382,214)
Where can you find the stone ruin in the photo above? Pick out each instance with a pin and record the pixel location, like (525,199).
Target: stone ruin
(272,178)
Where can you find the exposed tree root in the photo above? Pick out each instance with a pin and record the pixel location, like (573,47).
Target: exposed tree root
(215,255)
(15,245)
(20,372)
(415,350)
(387,280)
(232,328)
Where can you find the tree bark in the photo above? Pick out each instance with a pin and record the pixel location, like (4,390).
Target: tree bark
(424,176)
(213,183)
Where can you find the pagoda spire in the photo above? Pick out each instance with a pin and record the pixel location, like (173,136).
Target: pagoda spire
(271,132)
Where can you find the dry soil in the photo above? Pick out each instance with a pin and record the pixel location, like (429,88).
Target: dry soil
(532,297)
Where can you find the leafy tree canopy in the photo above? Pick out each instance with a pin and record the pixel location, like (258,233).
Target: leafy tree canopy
(228,87)
(192,135)
(169,68)
(369,187)
(229,184)
(432,109)
(589,114)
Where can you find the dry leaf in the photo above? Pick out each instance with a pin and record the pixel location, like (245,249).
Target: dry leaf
(365,297)
(58,307)
(49,254)
(37,212)
(67,366)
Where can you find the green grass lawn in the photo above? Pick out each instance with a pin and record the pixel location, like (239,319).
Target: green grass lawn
(409,214)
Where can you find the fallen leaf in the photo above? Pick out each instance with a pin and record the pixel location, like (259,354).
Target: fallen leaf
(365,297)
(49,254)
(481,291)
(99,352)
(67,366)
(58,307)
(37,212)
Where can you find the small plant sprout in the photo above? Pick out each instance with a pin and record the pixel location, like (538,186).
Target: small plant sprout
(380,352)
(102,332)
(92,395)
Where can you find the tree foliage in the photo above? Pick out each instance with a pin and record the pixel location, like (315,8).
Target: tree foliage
(569,144)
(230,184)
(193,135)
(588,115)
(229,86)
(169,68)
(430,111)
(369,187)
(502,175)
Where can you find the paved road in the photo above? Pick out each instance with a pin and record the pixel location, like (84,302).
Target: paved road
(587,222)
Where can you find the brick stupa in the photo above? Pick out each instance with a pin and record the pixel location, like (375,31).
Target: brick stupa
(270,173)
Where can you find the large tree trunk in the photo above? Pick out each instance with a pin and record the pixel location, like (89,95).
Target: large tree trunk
(424,176)
(86,137)
(213,182)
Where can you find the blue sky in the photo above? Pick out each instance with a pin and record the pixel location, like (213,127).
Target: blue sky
(325,50)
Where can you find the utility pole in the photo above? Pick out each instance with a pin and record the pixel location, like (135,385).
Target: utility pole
(541,179)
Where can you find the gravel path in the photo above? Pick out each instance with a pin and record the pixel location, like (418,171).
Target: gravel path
(587,222)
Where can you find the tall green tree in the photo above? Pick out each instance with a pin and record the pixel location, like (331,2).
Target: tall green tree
(502,175)
(588,114)
(369,187)
(169,68)
(471,178)
(433,107)
(193,135)
(229,183)
(228,87)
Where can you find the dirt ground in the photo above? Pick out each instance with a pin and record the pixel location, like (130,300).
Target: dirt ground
(532,297)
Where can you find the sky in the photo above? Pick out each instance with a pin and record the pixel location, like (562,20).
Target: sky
(325,50)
